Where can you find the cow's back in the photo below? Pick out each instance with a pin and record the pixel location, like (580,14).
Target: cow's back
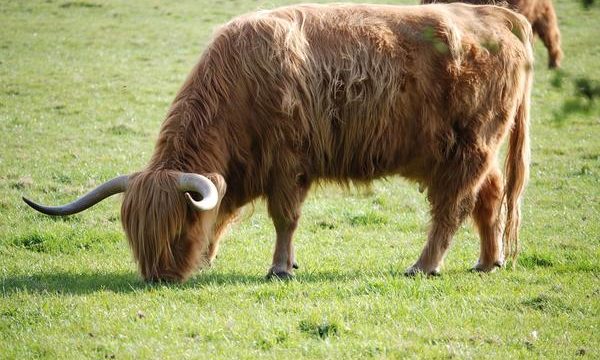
(361,91)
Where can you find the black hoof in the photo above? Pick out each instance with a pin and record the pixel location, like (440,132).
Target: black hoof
(281,275)
(295,265)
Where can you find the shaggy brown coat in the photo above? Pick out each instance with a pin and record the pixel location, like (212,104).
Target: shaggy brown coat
(342,93)
(540,14)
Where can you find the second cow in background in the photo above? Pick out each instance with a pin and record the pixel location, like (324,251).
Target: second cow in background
(540,14)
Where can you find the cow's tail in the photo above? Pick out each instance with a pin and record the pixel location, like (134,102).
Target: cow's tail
(516,169)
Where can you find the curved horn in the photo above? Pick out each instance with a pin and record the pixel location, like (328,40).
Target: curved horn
(111,187)
(200,184)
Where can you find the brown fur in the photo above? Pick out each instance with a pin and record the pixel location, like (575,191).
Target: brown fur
(343,93)
(540,14)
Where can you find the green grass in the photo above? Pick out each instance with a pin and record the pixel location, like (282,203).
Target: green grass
(84,87)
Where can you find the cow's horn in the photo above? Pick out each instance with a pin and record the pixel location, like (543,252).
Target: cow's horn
(111,187)
(200,184)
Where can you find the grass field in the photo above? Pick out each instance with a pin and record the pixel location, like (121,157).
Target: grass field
(84,87)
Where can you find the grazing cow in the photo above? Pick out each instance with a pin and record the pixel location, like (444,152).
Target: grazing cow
(343,93)
(540,14)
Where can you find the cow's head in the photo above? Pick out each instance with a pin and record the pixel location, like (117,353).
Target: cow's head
(170,218)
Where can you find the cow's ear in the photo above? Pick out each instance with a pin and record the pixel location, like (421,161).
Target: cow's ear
(219,182)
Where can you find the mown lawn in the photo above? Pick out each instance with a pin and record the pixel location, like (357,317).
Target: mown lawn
(84,87)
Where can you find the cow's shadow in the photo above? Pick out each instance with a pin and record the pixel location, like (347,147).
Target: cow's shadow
(117,282)
(126,282)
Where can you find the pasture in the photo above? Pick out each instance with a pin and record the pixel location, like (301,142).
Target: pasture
(84,87)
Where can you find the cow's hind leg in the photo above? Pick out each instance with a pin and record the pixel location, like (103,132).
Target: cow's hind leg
(486,216)
(447,215)
(285,207)
(452,197)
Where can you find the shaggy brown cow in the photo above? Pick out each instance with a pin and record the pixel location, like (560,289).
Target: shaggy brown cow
(343,93)
(540,14)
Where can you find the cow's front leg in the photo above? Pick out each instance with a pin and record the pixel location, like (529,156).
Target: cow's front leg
(546,26)
(284,207)
(225,218)
(283,257)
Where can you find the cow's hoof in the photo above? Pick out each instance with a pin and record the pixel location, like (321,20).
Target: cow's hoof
(414,271)
(488,267)
(295,265)
(279,275)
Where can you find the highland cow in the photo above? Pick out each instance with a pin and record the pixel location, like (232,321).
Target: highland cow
(342,93)
(540,14)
